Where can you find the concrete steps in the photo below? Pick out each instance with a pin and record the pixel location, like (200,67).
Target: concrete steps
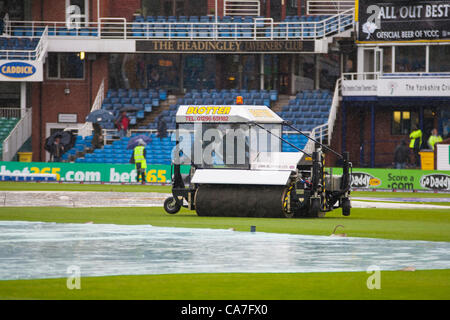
(164,105)
(283,100)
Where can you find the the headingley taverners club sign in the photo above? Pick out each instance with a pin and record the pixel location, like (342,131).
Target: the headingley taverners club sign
(199,46)
(403,20)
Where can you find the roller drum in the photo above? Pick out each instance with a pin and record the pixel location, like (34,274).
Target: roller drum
(240,201)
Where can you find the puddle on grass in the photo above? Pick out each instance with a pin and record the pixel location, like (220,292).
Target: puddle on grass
(34,250)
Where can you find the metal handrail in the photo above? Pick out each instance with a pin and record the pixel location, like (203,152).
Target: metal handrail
(10,112)
(324,132)
(86,128)
(17,137)
(258,29)
(314,7)
(36,54)
(241,7)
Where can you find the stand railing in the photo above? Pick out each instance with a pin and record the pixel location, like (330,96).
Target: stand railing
(324,132)
(37,54)
(86,128)
(18,136)
(257,29)
(316,7)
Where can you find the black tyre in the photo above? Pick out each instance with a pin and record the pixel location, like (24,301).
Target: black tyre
(346,205)
(314,208)
(171,206)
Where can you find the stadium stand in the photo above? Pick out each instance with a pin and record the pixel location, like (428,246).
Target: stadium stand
(6,125)
(237,26)
(160,150)
(18,48)
(308,110)
(141,100)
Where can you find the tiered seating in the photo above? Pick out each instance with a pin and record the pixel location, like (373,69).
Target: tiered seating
(308,110)
(296,139)
(30,31)
(81,144)
(308,26)
(215,97)
(6,125)
(144,100)
(159,151)
(16,48)
(236,26)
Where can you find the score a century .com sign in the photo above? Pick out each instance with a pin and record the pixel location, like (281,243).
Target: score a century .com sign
(387,20)
(229,46)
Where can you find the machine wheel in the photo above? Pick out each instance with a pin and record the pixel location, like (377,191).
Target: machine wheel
(171,206)
(314,208)
(346,206)
(240,201)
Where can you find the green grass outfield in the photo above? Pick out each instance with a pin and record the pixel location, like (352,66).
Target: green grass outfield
(430,284)
(418,224)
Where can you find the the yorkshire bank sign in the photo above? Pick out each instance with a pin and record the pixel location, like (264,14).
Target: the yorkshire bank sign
(391,87)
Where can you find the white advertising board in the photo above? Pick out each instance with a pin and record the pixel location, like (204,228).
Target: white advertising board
(21,70)
(443,157)
(391,87)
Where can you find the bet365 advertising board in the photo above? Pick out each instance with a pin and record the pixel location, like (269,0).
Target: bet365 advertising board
(81,172)
(437,180)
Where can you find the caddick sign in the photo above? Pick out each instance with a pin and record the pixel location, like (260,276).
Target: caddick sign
(399,179)
(78,172)
(30,71)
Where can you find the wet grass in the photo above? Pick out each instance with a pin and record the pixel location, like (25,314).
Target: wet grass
(411,202)
(429,284)
(382,194)
(34,186)
(405,224)
(417,224)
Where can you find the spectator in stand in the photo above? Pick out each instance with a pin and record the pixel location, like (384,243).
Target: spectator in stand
(401,155)
(416,143)
(57,150)
(162,128)
(122,124)
(97,140)
(154,79)
(434,138)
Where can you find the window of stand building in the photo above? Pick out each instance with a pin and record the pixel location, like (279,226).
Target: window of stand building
(402,122)
(65,66)
(439,58)
(387,59)
(410,58)
(329,70)
(199,72)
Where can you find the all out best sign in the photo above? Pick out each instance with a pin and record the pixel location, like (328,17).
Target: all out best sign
(403,20)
